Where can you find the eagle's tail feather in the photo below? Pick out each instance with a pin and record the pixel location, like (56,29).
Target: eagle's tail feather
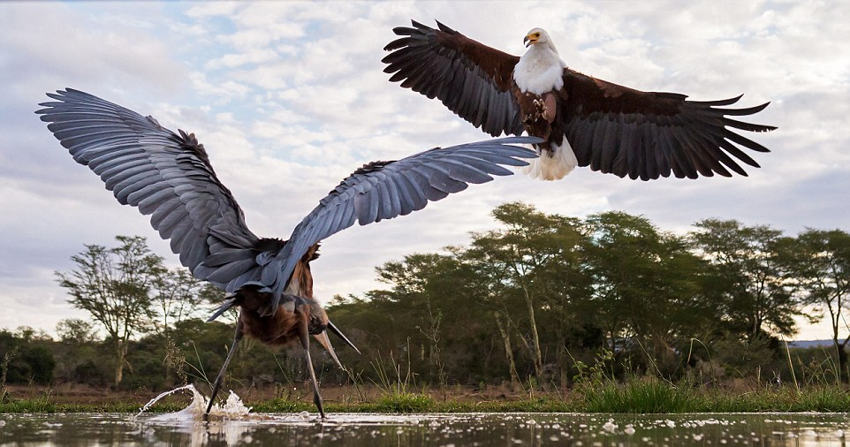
(552,165)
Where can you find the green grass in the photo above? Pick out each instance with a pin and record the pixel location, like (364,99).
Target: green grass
(787,399)
(421,403)
(649,396)
(639,396)
(635,396)
(41,405)
(405,403)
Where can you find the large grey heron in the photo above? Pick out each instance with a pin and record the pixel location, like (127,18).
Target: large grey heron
(169,176)
(585,121)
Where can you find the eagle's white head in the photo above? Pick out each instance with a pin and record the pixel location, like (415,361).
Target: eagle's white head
(538,36)
(539,70)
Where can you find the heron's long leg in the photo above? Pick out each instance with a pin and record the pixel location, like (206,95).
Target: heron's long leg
(236,338)
(304,335)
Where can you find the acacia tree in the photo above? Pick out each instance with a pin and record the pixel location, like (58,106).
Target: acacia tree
(113,285)
(75,331)
(820,263)
(412,284)
(530,259)
(646,285)
(753,286)
(177,295)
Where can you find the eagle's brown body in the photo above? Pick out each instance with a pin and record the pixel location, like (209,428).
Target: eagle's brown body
(538,112)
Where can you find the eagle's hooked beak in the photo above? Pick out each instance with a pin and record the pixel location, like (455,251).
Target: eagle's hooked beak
(528,40)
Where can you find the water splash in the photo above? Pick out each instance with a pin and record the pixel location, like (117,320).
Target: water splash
(167,393)
(233,408)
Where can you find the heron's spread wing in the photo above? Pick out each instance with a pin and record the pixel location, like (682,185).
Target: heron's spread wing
(384,190)
(646,135)
(169,176)
(164,174)
(471,79)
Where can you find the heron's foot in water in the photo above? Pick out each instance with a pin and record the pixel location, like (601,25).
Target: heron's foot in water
(317,399)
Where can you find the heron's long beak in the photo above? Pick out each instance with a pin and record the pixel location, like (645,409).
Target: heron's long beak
(339,334)
(326,343)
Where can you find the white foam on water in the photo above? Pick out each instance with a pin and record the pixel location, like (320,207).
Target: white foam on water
(231,422)
(233,408)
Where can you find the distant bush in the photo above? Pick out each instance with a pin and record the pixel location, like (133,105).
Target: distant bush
(90,373)
(40,364)
(24,362)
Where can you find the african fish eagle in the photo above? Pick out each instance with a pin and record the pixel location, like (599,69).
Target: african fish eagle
(584,121)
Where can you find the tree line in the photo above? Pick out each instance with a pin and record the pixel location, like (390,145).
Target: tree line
(543,293)
(529,303)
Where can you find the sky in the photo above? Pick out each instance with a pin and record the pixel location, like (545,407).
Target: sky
(289,98)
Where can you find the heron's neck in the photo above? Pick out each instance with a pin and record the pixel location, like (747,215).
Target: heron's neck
(539,70)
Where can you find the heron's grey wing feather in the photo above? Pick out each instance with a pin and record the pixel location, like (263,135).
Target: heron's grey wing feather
(384,190)
(162,173)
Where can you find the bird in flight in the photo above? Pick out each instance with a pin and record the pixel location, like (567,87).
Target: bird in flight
(169,176)
(584,121)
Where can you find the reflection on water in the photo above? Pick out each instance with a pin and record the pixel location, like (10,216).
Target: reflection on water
(798,429)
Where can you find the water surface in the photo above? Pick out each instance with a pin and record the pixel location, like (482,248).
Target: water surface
(512,429)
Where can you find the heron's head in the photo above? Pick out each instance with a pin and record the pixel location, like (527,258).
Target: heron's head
(318,327)
(535,37)
(318,321)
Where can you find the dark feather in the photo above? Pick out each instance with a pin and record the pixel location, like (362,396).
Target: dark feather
(169,176)
(471,79)
(671,134)
(426,175)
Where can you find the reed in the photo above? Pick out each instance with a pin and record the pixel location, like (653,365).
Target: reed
(397,395)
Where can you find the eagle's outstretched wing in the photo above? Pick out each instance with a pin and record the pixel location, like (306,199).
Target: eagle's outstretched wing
(470,78)
(647,135)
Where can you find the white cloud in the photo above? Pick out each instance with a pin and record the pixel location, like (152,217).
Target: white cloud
(224,91)
(212,9)
(233,60)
